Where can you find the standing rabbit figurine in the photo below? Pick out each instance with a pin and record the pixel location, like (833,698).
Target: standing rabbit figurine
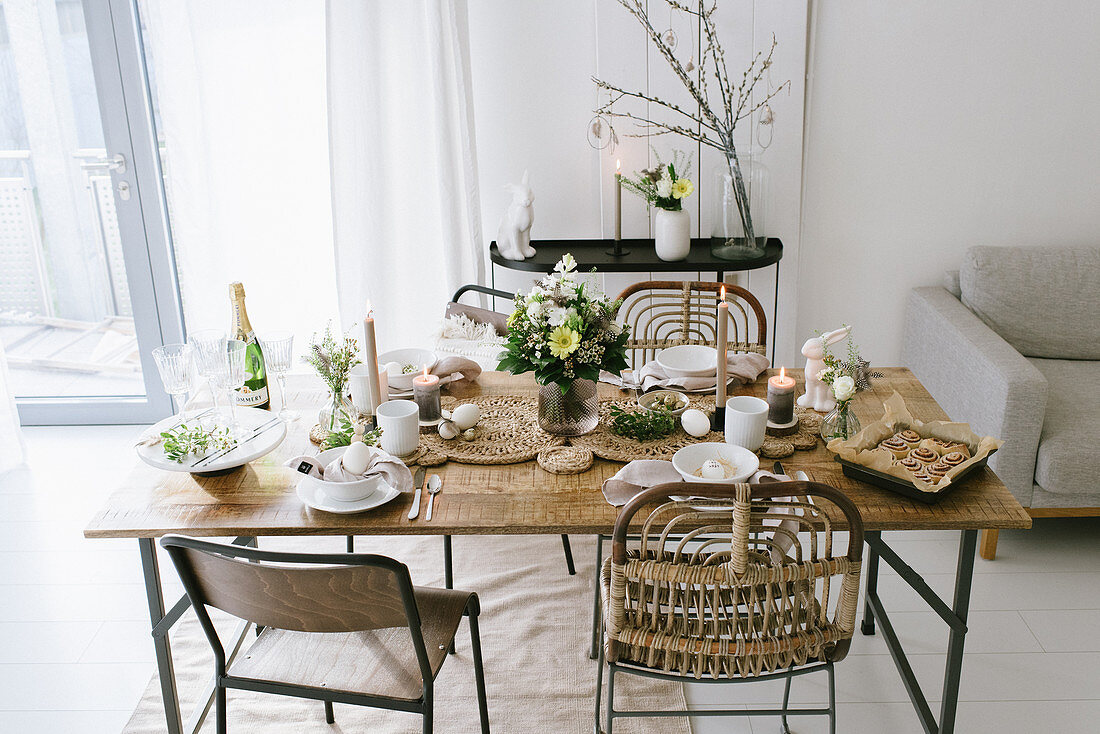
(818,395)
(514,235)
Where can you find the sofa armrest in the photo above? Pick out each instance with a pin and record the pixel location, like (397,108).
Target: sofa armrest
(977,377)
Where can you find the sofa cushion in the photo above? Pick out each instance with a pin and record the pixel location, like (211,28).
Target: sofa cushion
(1044,301)
(1068,461)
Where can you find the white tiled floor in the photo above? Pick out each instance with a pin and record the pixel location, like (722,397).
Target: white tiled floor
(75,651)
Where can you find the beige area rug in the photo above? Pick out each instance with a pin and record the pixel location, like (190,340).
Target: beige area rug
(535,626)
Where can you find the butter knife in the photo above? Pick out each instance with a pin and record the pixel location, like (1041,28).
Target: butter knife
(418,482)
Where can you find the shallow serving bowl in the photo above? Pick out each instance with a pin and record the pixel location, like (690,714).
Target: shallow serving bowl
(344,491)
(651,400)
(689,360)
(398,360)
(690,458)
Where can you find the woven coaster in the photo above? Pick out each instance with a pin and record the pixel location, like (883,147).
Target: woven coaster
(802,441)
(776,448)
(566,459)
(809,421)
(607,445)
(317,434)
(508,433)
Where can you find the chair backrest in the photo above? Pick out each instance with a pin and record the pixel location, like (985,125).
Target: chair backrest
(735,580)
(296,591)
(665,313)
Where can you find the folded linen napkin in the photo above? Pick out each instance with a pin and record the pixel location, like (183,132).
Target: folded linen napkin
(454,368)
(741,368)
(390,468)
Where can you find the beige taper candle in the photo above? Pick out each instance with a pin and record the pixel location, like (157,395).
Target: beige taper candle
(723,319)
(370,349)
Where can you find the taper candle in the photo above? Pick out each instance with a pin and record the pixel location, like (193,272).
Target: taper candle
(426,395)
(618,200)
(781,400)
(370,348)
(723,321)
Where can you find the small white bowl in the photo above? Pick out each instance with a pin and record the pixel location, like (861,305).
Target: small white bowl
(649,400)
(689,360)
(343,491)
(690,458)
(398,359)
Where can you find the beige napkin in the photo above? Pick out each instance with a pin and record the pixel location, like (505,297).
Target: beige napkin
(740,368)
(456,369)
(390,468)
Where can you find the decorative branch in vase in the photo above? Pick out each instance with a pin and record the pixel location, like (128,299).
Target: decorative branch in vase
(333,359)
(713,121)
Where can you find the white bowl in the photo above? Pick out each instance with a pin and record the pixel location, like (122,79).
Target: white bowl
(397,359)
(343,491)
(690,458)
(689,360)
(648,401)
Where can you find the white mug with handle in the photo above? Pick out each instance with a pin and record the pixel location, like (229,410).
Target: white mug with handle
(746,421)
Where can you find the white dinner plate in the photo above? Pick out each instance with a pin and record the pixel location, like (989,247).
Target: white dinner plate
(311,493)
(249,419)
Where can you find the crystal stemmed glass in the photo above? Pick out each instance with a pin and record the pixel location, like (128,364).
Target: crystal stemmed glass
(209,346)
(176,365)
(278,348)
(229,375)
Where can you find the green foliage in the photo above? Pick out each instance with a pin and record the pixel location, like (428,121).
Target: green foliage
(333,358)
(646,183)
(642,425)
(181,441)
(343,435)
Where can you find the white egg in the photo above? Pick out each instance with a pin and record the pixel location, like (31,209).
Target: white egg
(466,416)
(356,458)
(447,430)
(711,469)
(695,422)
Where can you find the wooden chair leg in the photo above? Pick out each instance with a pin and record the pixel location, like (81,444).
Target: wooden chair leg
(988,547)
(330,718)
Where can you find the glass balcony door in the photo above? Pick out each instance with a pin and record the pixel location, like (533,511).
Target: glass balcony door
(87,287)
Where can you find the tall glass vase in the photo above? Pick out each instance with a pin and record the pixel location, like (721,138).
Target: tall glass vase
(739,204)
(572,413)
(337,403)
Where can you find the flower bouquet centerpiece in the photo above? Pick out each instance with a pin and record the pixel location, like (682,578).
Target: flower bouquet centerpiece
(845,377)
(333,356)
(665,186)
(566,335)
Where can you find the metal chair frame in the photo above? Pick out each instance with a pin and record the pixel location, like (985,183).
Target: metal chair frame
(175,544)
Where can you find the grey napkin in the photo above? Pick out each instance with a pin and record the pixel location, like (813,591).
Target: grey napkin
(741,368)
(390,468)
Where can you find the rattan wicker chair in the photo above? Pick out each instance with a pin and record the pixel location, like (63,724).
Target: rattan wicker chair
(716,590)
(664,313)
(335,628)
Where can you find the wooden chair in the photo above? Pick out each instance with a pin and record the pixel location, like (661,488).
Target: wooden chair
(665,313)
(717,590)
(336,628)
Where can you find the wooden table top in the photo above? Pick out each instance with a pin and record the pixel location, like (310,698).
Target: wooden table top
(259,499)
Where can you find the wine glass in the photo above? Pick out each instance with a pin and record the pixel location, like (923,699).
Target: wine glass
(229,375)
(209,346)
(176,365)
(278,348)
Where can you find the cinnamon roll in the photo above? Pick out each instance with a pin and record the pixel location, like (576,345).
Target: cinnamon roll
(910,464)
(942,447)
(925,477)
(924,455)
(912,438)
(938,469)
(895,446)
(954,458)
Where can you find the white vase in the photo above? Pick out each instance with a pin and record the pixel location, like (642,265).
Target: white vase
(672,235)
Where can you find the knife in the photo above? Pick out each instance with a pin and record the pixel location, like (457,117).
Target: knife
(418,482)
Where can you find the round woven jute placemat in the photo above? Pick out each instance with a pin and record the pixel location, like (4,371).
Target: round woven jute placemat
(608,445)
(566,459)
(508,433)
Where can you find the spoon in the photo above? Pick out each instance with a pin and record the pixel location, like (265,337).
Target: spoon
(435,486)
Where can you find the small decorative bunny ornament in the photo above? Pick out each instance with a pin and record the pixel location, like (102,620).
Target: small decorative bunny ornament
(514,235)
(818,395)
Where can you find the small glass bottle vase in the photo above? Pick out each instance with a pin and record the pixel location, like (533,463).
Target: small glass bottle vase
(337,403)
(840,423)
(572,413)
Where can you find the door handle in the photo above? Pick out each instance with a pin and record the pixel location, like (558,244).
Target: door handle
(116,163)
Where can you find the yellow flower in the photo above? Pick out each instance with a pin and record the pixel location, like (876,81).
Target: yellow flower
(682,188)
(564,341)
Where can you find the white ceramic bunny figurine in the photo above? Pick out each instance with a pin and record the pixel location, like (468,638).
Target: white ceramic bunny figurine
(818,395)
(514,235)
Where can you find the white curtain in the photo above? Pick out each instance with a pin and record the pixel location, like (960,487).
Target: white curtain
(12,452)
(406,214)
(240,88)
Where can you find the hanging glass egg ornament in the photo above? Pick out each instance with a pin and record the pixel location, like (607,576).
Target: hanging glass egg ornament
(670,39)
(600,134)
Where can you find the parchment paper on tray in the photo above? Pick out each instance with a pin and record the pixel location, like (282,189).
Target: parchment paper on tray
(859,449)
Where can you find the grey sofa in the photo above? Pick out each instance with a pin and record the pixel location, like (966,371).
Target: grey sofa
(1011,344)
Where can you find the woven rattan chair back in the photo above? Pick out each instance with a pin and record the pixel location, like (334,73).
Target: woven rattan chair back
(718,588)
(665,313)
(349,593)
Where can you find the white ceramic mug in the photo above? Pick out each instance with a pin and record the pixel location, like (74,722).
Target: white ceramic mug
(400,424)
(746,421)
(360,388)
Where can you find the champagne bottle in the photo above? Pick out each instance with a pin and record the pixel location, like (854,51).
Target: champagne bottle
(253,393)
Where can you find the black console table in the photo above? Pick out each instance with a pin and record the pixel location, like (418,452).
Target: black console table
(642,259)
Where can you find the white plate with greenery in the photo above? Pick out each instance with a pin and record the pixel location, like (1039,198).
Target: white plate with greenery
(197,447)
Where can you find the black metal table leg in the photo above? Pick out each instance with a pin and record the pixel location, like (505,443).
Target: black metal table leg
(867,627)
(165,670)
(596,621)
(448,574)
(964,577)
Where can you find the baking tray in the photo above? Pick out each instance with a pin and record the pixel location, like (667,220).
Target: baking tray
(900,486)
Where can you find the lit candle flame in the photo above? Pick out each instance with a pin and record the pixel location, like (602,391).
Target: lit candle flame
(782,374)
(425,371)
(370,310)
(723,297)
(618,165)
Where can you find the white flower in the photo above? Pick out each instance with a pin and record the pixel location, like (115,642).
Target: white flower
(534,308)
(844,388)
(825,374)
(664,187)
(558,315)
(566,266)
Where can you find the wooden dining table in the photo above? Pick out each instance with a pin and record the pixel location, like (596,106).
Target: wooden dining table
(259,500)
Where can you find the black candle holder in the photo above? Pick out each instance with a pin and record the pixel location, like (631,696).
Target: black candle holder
(617,250)
(718,420)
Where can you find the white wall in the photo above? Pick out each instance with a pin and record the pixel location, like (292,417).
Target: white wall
(532,64)
(934,126)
